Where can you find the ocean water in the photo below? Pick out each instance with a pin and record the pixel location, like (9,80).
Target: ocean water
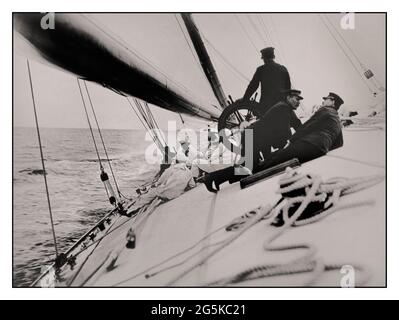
(77,195)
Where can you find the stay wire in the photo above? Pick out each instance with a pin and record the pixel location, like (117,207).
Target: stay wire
(189,46)
(346,54)
(227,62)
(92,135)
(353,52)
(142,121)
(101,137)
(278,40)
(246,33)
(91,129)
(150,126)
(42,159)
(161,137)
(268,36)
(255,27)
(265,31)
(123,44)
(182,120)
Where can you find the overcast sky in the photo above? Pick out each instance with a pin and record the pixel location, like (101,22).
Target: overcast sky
(315,61)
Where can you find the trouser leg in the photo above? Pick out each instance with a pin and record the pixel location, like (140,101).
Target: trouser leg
(261,142)
(301,150)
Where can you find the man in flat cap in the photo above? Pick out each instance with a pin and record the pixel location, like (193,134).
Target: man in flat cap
(274,127)
(317,136)
(273,78)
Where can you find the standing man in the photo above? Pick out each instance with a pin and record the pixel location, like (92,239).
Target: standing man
(273,78)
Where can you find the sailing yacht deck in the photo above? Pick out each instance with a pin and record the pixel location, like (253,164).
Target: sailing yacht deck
(354,236)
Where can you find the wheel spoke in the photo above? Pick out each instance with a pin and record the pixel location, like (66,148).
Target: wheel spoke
(232,121)
(249,115)
(237,117)
(231,125)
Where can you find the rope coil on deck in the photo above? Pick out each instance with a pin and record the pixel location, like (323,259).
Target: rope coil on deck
(328,193)
(290,185)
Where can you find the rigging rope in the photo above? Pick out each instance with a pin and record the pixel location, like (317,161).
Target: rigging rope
(376,83)
(102,140)
(227,62)
(263,19)
(283,58)
(43,166)
(189,45)
(273,43)
(268,38)
(346,54)
(246,33)
(155,123)
(103,176)
(91,129)
(334,187)
(85,247)
(138,116)
(122,43)
(317,192)
(182,120)
(148,122)
(255,27)
(146,271)
(372,164)
(208,226)
(278,40)
(265,31)
(96,244)
(138,223)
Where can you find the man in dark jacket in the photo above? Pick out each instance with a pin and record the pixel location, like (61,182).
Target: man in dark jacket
(320,134)
(274,128)
(273,78)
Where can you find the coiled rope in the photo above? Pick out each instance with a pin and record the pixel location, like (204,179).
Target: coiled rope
(314,191)
(329,194)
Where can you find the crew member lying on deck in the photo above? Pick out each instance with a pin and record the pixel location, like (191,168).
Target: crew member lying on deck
(215,157)
(317,136)
(187,154)
(173,182)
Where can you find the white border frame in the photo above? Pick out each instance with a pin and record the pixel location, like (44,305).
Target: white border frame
(6,290)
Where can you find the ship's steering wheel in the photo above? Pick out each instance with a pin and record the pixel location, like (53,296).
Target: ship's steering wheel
(234,119)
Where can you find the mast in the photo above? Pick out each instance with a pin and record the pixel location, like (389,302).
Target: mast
(204,58)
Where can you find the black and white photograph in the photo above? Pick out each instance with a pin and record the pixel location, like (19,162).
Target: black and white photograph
(199,149)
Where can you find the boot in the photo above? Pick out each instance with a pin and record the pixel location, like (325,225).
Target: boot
(221,176)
